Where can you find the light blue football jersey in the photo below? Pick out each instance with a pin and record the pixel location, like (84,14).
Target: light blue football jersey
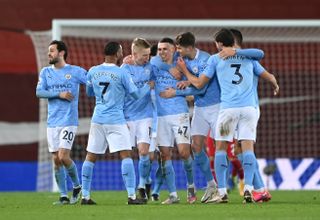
(110,84)
(212,93)
(142,108)
(236,79)
(52,81)
(163,80)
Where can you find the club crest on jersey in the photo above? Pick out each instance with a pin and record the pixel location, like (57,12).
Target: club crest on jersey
(195,69)
(147,71)
(68,76)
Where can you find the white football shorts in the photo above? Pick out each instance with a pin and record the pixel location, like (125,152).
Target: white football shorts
(102,136)
(205,119)
(61,137)
(173,128)
(243,118)
(140,131)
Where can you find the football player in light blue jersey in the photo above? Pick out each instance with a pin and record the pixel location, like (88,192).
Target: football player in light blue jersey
(260,193)
(206,105)
(138,113)
(59,83)
(237,108)
(206,108)
(109,84)
(173,122)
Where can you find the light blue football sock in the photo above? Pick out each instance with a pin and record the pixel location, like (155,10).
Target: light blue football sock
(73,173)
(257,178)
(128,175)
(202,160)
(170,176)
(221,168)
(187,165)
(249,167)
(86,174)
(149,179)
(144,170)
(158,181)
(61,179)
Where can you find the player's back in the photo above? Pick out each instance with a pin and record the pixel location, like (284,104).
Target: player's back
(236,79)
(107,81)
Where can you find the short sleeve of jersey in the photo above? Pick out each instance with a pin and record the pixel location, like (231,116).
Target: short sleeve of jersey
(89,80)
(82,75)
(258,69)
(128,82)
(42,81)
(210,68)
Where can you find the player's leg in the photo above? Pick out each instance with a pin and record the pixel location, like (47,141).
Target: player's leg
(238,155)
(247,134)
(97,144)
(165,141)
(169,175)
(200,126)
(143,134)
(226,124)
(61,180)
(118,138)
(66,137)
(87,173)
(59,170)
(181,129)
(159,177)
(211,150)
(152,158)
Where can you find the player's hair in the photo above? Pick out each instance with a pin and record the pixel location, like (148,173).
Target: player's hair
(61,46)
(167,40)
(237,36)
(225,37)
(111,48)
(154,50)
(186,39)
(140,43)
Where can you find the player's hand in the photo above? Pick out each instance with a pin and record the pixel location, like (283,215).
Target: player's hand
(175,72)
(276,89)
(181,64)
(183,84)
(128,60)
(66,95)
(168,93)
(227,52)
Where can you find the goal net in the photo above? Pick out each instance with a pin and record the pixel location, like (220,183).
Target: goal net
(289,125)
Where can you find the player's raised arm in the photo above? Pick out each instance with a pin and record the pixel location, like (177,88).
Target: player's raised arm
(198,82)
(252,53)
(190,90)
(132,89)
(272,80)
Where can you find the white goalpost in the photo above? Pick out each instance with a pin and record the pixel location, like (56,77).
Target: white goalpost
(291,47)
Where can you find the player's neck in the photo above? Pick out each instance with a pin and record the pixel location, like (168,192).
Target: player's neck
(193,54)
(111,59)
(59,65)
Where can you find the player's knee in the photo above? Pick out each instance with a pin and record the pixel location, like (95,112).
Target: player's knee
(143,152)
(185,154)
(196,147)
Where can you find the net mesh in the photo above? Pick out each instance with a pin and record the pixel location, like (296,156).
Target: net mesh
(288,126)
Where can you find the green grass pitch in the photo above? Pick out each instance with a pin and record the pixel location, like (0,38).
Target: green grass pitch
(285,205)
